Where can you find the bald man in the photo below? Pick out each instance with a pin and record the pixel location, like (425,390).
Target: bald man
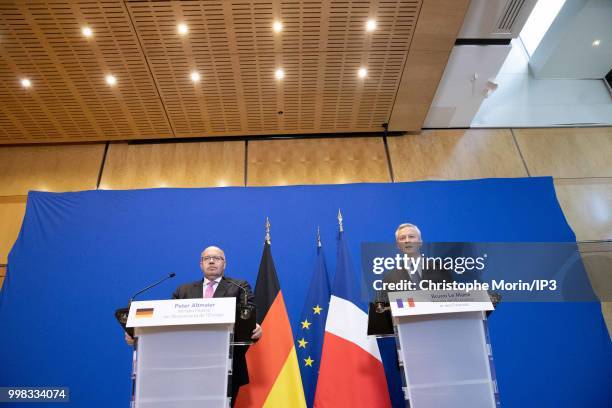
(216,284)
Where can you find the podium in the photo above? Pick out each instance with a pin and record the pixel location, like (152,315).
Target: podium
(182,355)
(444,349)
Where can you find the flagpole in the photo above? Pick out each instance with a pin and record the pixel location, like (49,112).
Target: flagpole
(267,241)
(351,372)
(273,377)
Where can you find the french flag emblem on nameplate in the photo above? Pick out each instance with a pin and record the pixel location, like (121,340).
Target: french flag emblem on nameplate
(409,303)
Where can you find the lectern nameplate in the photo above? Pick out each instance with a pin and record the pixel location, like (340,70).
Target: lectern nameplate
(182,312)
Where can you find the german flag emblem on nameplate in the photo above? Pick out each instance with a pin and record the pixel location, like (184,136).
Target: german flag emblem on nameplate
(145,312)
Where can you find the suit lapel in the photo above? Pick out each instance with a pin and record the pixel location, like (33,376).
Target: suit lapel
(197,290)
(221,288)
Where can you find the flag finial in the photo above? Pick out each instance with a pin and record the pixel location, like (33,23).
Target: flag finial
(318,237)
(340,220)
(268,231)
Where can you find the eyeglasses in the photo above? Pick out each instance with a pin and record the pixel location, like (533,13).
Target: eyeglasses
(213,258)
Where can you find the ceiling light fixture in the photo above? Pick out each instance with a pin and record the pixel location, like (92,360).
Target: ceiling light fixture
(280,74)
(277,26)
(26,83)
(111,80)
(371,25)
(182,29)
(87,32)
(362,72)
(195,76)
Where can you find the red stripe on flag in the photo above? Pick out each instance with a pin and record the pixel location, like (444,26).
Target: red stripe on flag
(266,358)
(410,302)
(350,377)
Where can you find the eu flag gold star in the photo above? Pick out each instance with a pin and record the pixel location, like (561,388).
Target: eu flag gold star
(302,343)
(317,309)
(308,362)
(306,324)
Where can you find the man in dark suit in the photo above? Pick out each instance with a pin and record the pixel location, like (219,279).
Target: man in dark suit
(215,284)
(408,240)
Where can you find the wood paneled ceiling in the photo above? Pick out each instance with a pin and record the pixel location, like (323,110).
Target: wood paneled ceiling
(233,47)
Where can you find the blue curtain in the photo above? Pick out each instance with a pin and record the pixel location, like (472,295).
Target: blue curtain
(79,256)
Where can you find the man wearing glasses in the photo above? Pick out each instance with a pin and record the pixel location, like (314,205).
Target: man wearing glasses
(215,284)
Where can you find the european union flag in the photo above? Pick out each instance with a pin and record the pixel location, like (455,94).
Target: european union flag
(309,335)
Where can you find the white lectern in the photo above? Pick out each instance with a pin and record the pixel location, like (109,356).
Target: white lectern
(444,349)
(182,353)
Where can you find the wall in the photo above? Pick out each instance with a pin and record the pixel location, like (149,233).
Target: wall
(577,158)
(566,51)
(524,101)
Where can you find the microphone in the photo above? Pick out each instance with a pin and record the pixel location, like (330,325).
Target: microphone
(122,314)
(245,309)
(379,304)
(380,307)
(170,275)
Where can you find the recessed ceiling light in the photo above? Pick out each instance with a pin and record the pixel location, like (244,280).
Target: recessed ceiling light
(277,26)
(280,74)
(362,72)
(182,29)
(111,80)
(26,83)
(596,43)
(195,76)
(371,25)
(87,32)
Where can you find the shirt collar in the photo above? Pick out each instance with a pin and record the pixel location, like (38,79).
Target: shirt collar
(216,280)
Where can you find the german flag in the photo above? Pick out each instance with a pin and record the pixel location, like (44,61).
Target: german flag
(274,372)
(144,312)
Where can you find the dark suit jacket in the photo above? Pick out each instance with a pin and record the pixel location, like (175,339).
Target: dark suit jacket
(434,275)
(195,290)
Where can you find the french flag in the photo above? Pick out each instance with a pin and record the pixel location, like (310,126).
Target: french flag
(351,372)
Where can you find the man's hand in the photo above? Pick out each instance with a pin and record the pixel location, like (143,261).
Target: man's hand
(257,332)
(130,340)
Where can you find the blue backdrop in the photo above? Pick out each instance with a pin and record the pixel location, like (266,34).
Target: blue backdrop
(81,255)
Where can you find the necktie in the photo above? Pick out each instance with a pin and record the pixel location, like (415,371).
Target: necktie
(414,275)
(210,289)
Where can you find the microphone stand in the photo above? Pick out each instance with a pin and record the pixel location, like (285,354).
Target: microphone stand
(122,314)
(246,322)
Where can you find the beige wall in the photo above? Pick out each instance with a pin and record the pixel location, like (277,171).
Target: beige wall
(12,209)
(2,275)
(211,164)
(317,161)
(577,158)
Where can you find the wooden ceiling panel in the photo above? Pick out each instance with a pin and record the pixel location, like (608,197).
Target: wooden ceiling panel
(69,99)
(234,49)
(230,43)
